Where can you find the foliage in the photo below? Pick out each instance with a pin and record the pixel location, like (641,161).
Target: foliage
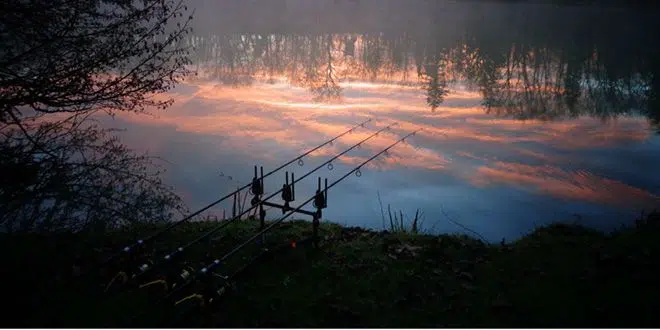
(60,63)
(71,174)
(79,56)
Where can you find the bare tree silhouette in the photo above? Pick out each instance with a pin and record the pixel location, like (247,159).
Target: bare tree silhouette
(61,62)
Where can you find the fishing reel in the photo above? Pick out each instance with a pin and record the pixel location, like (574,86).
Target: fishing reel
(140,257)
(159,282)
(173,277)
(207,289)
(180,275)
(145,267)
(136,258)
(168,262)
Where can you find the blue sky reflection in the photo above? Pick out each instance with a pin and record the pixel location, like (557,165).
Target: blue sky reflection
(501,177)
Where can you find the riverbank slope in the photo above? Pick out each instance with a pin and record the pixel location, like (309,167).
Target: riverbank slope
(559,275)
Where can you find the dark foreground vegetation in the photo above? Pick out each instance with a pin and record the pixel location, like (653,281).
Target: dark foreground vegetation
(560,275)
(62,62)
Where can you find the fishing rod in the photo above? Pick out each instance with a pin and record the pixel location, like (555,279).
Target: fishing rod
(147,268)
(217,262)
(189,277)
(140,242)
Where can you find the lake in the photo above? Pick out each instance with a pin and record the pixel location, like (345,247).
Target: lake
(530,113)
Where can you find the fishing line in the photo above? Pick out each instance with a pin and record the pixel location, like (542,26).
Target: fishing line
(147,268)
(140,242)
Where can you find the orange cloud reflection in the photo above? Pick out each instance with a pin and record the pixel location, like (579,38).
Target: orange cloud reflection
(285,115)
(579,185)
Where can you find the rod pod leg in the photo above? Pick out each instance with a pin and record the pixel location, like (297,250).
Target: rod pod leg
(315,231)
(262,223)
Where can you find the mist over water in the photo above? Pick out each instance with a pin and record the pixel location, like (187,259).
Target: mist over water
(531,113)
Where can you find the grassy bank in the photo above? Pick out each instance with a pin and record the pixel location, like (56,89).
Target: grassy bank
(560,275)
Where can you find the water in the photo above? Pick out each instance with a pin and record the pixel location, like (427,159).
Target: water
(531,113)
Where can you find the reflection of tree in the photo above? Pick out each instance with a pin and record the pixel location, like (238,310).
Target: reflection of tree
(571,81)
(318,63)
(432,62)
(319,74)
(372,55)
(223,59)
(349,45)
(435,83)
(543,83)
(583,67)
(570,72)
(653,93)
(326,88)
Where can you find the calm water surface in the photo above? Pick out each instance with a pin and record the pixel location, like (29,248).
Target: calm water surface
(531,114)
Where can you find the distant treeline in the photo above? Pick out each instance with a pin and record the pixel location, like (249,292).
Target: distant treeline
(617,3)
(584,2)
(281,16)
